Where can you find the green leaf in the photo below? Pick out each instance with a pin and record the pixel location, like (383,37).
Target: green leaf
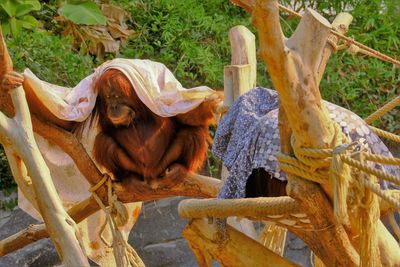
(14,27)
(28,22)
(86,13)
(9,7)
(6,28)
(34,3)
(23,9)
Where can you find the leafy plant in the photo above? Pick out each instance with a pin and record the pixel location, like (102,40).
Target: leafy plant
(51,58)
(15,16)
(83,13)
(95,31)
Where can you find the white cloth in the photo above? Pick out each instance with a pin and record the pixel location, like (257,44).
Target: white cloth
(153,82)
(155,85)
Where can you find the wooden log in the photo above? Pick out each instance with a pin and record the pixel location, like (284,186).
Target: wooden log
(321,218)
(297,84)
(236,82)
(341,24)
(236,250)
(36,232)
(329,240)
(20,175)
(241,75)
(257,209)
(23,238)
(243,51)
(21,143)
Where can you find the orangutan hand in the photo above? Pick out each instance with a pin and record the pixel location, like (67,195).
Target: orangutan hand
(11,80)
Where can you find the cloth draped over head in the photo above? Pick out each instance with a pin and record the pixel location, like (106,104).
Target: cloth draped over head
(154,84)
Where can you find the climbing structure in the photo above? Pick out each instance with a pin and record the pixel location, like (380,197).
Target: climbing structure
(335,201)
(323,166)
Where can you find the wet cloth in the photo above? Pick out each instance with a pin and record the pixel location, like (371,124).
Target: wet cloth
(155,85)
(247,138)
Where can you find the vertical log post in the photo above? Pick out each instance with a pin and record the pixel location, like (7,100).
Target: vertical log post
(341,24)
(240,77)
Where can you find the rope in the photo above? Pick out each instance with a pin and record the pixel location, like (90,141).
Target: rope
(383,110)
(368,215)
(361,47)
(116,215)
(385,134)
(395,203)
(300,166)
(371,170)
(306,165)
(259,208)
(318,158)
(382,159)
(292,166)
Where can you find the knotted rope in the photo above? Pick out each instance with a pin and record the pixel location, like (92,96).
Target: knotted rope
(116,215)
(319,164)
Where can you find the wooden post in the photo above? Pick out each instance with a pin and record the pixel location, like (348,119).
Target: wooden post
(341,24)
(241,75)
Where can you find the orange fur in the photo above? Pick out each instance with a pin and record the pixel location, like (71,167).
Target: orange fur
(150,144)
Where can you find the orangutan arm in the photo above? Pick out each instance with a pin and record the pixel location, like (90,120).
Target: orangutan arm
(110,155)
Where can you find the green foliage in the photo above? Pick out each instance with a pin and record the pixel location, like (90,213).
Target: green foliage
(50,57)
(190,37)
(83,13)
(14,15)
